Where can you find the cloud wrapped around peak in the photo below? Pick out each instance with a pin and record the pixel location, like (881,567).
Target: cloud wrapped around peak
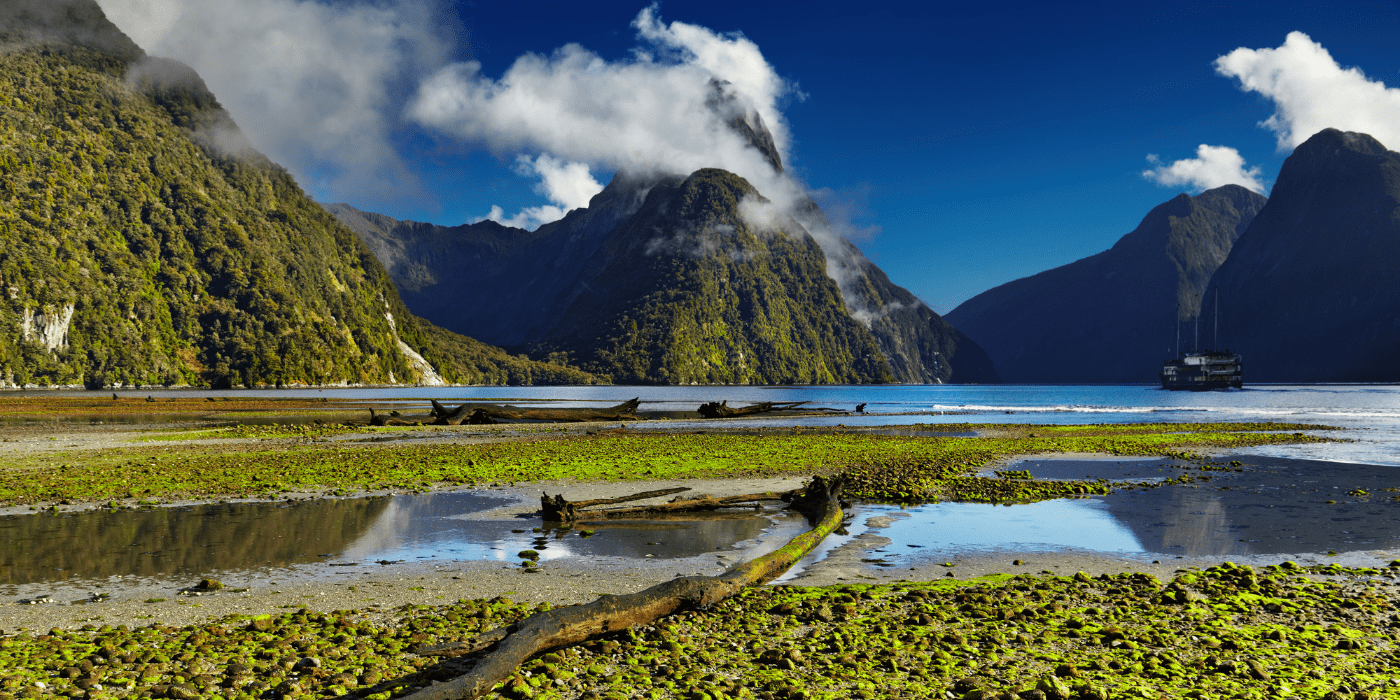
(1311,92)
(655,111)
(1213,166)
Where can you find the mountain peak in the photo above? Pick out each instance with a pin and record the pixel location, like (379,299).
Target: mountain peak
(1315,269)
(72,22)
(1333,140)
(744,120)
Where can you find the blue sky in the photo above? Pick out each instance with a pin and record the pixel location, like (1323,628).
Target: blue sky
(966,145)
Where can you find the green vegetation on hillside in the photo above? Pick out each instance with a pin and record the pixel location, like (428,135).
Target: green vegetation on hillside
(178,262)
(691,292)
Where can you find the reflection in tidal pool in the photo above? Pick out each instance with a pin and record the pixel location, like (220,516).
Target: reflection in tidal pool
(192,540)
(1272,506)
(435,526)
(202,540)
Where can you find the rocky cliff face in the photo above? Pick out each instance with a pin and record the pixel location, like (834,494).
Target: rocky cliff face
(1309,292)
(143,242)
(1109,318)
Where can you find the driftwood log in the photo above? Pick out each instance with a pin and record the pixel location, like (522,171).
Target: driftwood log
(722,409)
(381,419)
(478,413)
(820,502)
(556,509)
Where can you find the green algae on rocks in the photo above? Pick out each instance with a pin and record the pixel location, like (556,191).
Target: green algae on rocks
(885,468)
(1227,631)
(877,467)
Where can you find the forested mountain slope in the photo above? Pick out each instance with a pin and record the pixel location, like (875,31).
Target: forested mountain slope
(142,241)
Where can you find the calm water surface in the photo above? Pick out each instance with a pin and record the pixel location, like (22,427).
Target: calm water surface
(336,534)
(1369,412)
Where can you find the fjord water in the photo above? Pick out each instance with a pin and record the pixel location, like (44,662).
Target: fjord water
(1369,413)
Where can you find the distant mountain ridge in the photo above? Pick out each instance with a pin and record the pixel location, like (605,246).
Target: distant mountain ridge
(143,242)
(1309,293)
(1109,317)
(662,279)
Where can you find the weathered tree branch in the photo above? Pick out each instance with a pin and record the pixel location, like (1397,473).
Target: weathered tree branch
(820,502)
(556,509)
(722,409)
(379,419)
(477,413)
(679,505)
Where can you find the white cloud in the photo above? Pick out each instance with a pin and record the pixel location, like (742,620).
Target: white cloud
(313,85)
(568,185)
(654,111)
(1212,167)
(1311,92)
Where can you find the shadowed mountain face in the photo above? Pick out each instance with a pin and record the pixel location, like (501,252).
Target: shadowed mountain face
(1310,291)
(143,241)
(662,279)
(1109,318)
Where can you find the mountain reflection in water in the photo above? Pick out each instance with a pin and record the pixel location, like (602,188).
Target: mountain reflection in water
(431,526)
(189,540)
(1275,506)
(225,538)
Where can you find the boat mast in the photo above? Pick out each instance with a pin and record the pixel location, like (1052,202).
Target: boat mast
(1178,328)
(1217,319)
(1196,324)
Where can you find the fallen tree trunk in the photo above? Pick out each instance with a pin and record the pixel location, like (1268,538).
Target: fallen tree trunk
(722,409)
(556,509)
(541,632)
(380,419)
(476,413)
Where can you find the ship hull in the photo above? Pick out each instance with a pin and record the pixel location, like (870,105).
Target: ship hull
(1203,372)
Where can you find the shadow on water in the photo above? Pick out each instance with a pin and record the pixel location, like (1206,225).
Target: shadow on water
(226,538)
(1273,506)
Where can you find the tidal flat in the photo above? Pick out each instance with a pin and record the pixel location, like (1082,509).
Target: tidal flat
(1126,628)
